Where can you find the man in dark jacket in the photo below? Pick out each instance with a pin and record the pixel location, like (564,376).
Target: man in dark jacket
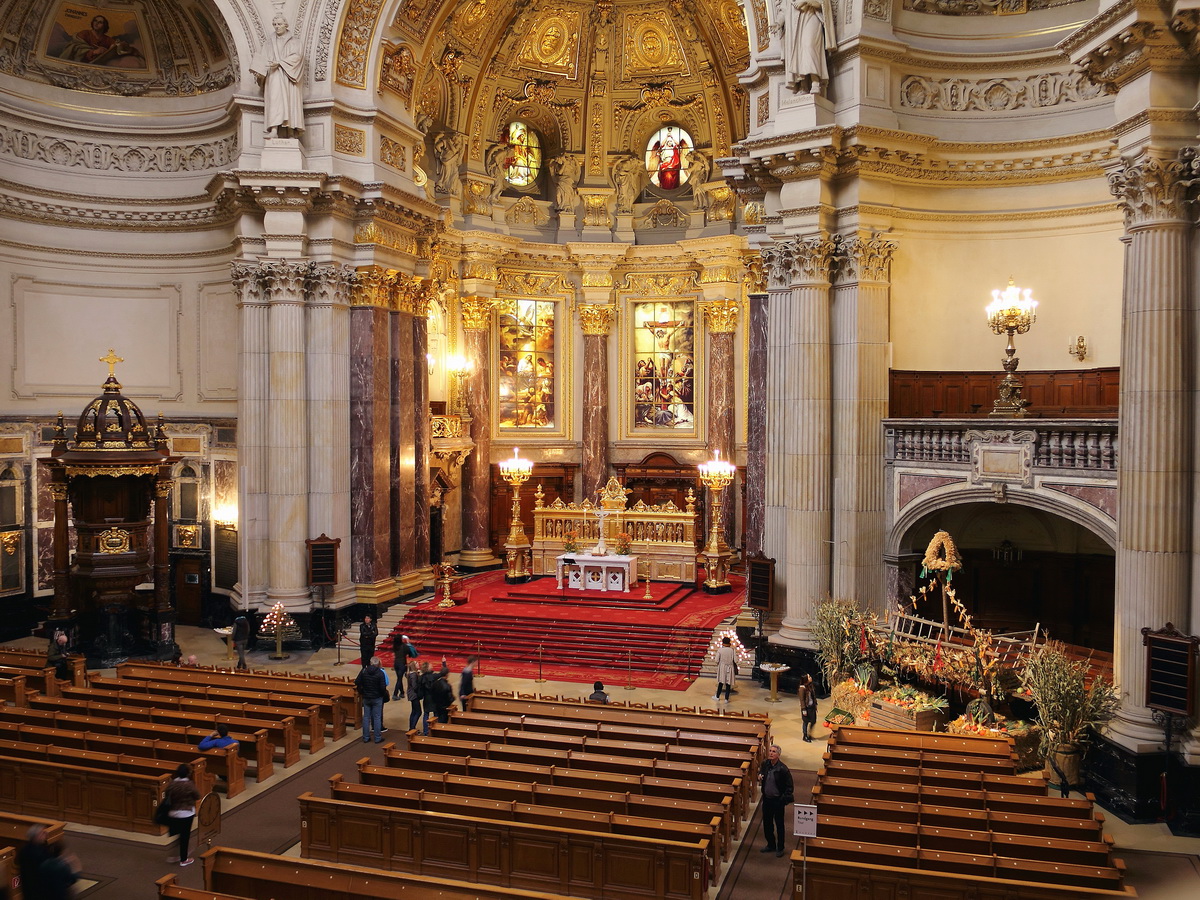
(777,793)
(443,695)
(367,633)
(373,689)
(241,638)
(466,681)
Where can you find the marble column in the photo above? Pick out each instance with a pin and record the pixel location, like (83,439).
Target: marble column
(403,428)
(756,425)
(422,431)
(799,524)
(477,470)
(1154,526)
(252,404)
(596,321)
(860,398)
(370,438)
(328,372)
(287,436)
(721,317)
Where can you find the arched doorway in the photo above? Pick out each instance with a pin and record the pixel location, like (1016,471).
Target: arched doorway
(1023,567)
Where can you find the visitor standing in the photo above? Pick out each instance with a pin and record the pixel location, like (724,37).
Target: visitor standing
(466,681)
(777,793)
(367,633)
(806,692)
(412,690)
(30,858)
(57,874)
(726,668)
(404,654)
(241,638)
(373,690)
(443,694)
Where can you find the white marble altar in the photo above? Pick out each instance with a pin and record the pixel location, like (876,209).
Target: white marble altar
(586,572)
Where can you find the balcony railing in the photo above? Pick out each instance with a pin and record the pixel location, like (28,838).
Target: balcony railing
(1088,444)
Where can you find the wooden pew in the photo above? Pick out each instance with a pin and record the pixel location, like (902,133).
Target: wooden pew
(40,679)
(14,690)
(281,734)
(36,659)
(252,746)
(575,861)
(330,711)
(945,762)
(854,878)
(307,722)
(245,874)
(106,797)
(223,762)
(1011,784)
(963,745)
(341,690)
(879,810)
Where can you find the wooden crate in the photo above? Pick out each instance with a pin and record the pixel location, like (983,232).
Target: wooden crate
(889,715)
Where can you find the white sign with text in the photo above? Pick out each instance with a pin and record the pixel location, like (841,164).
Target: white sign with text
(804,821)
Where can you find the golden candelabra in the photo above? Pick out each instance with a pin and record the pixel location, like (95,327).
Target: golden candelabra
(1011,311)
(516,471)
(458,368)
(716,475)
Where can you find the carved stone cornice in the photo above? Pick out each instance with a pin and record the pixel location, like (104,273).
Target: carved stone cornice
(1154,190)
(476,313)
(597,318)
(1126,40)
(596,262)
(722,316)
(868,258)
(480,261)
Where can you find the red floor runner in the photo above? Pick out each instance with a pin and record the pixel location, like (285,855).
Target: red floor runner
(658,643)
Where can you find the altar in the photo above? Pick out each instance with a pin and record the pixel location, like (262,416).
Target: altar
(586,572)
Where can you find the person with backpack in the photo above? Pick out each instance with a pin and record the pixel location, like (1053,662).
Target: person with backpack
(428,679)
(807,694)
(372,687)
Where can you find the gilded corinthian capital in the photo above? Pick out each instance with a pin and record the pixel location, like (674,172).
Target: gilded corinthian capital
(722,316)
(869,258)
(1156,190)
(476,313)
(597,318)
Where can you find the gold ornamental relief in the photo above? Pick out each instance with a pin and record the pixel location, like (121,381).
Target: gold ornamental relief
(10,542)
(351,141)
(597,278)
(552,44)
(597,318)
(476,313)
(722,316)
(392,153)
(353,42)
(652,47)
(660,284)
(532,284)
(113,540)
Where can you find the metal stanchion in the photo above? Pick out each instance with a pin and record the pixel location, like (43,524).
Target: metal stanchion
(540,679)
(629,669)
(479,662)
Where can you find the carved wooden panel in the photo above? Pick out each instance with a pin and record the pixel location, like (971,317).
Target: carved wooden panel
(1088,393)
(556,481)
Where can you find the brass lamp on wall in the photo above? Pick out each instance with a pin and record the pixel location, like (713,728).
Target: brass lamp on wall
(1011,311)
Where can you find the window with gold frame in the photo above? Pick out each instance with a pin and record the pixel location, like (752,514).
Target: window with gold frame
(526,358)
(664,354)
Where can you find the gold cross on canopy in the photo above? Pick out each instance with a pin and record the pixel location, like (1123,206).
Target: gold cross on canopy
(112,359)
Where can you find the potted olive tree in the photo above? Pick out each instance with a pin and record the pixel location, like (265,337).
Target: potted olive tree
(1069,707)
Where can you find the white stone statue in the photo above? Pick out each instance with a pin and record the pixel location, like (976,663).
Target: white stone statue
(447,156)
(698,168)
(565,169)
(279,67)
(627,174)
(807,35)
(495,164)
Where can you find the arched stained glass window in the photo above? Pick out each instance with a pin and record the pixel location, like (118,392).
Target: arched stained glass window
(527,358)
(667,154)
(524,161)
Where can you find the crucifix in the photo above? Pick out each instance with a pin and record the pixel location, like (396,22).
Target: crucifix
(112,359)
(601,514)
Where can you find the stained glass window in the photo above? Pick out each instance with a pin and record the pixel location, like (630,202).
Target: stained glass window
(667,154)
(664,376)
(524,159)
(526,377)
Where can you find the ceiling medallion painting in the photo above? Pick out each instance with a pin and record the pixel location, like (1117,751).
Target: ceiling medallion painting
(651,45)
(553,43)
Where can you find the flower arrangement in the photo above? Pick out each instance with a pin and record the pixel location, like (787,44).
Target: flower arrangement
(623,542)
(1068,706)
(571,542)
(910,699)
(845,637)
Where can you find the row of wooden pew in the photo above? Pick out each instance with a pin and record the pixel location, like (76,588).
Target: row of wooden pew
(524,794)
(922,810)
(104,753)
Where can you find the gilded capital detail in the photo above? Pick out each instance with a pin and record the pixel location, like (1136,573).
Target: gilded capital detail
(476,313)
(1154,190)
(597,318)
(373,287)
(722,316)
(756,274)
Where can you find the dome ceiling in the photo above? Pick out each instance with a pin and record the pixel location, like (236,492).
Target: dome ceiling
(134,48)
(593,78)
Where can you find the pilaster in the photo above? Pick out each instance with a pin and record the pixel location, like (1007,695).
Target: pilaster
(596,321)
(252,405)
(477,325)
(756,412)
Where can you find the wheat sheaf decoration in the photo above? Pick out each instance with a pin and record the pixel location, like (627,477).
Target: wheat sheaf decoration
(941,556)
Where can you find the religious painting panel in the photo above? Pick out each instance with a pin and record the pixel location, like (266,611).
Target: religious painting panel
(89,35)
(526,388)
(667,153)
(664,376)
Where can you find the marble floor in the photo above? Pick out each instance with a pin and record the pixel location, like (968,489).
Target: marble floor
(1160,865)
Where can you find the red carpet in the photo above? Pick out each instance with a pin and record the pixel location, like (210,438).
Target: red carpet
(585,636)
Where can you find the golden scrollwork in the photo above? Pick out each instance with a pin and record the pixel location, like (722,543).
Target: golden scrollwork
(113,540)
(351,141)
(756,274)
(111,471)
(475,197)
(354,41)
(162,489)
(392,153)
(447,426)
(385,236)
(531,284)
(597,318)
(650,43)
(373,287)
(526,212)
(722,316)
(722,273)
(552,43)
(188,536)
(476,313)
(10,542)
(660,284)
(57,492)
(597,278)
(595,209)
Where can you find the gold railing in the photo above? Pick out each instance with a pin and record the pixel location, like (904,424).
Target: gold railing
(662,537)
(447,426)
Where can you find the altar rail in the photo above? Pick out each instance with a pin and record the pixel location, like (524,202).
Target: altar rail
(664,537)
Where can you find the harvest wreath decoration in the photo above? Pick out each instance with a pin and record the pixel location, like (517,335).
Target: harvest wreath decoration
(941,556)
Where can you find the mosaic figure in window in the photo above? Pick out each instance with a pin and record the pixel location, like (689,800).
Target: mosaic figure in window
(526,365)
(667,154)
(664,374)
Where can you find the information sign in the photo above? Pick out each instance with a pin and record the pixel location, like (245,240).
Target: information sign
(804,821)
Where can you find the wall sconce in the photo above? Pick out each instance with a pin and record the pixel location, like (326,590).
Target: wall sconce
(458,367)
(1078,348)
(225,516)
(429,362)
